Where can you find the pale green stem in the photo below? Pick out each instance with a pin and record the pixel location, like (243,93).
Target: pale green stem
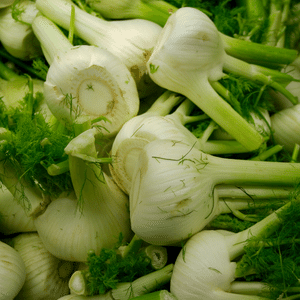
(155,11)
(8,74)
(284,19)
(52,39)
(209,101)
(267,153)
(165,103)
(158,295)
(181,114)
(208,132)
(258,53)
(243,216)
(295,153)
(263,228)
(227,95)
(234,205)
(143,285)
(59,168)
(255,9)
(22,64)
(253,192)
(254,288)
(258,74)
(158,256)
(133,247)
(72,25)
(209,146)
(274,25)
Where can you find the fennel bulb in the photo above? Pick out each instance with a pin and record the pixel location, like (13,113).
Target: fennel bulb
(285,127)
(85,81)
(94,216)
(14,218)
(12,272)
(46,276)
(158,123)
(130,40)
(16,36)
(211,260)
(173,193)
(189,55)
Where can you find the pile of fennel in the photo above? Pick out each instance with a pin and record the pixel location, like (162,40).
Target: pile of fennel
(143,141)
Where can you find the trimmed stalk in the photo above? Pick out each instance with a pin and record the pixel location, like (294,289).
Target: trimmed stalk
(125,290)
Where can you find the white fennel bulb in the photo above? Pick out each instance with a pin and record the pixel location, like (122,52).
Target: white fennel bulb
(285,127)
(94,216)
(47,276)
(212,260)
(12,272)
(173,193)
(190,55)
(17,36)
(85,81)
(130,40)
(207,278)
(13,217)
(158,123)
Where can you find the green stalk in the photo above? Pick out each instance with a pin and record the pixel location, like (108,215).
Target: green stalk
(263,228)
(72,25)
(158,256)
(284,20)
(224,115)
(8,74)
(258,53)
(58,168)
(274,25)
(267,153)
(181,116)
(254,9)
(21,64)
(51,38)
(165,103)
(258,74)
(133,247)
(158,295)
(155,11)
(143,285)
(295,153)
(227,95)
